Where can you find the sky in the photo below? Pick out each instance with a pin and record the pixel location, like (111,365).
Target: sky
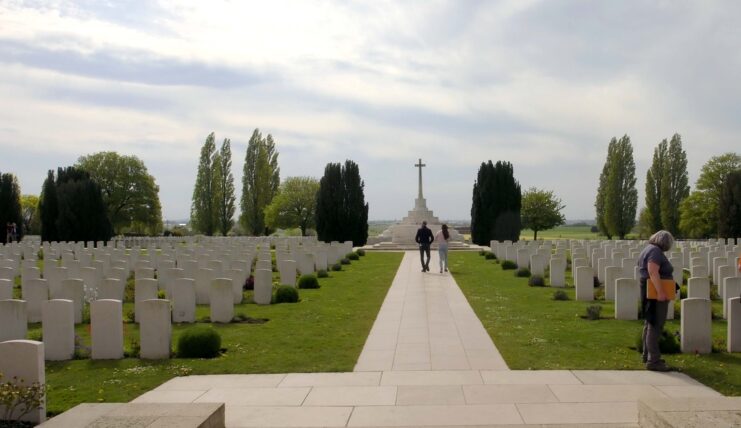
(544,85)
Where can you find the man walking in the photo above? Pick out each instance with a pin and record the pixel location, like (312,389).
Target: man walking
(424,238)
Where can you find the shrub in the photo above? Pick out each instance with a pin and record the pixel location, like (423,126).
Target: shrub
(345,261)
(249,283)
(509,265)
(593,312)
(199,342)
(595,282)
(560,295)
(161,294)
(668,342)
(490,256)
(308,281)
(352,256)
(523,272)
(336,267)
(286,294)
(482,252)
(321,273)
(361,252)
(21,399)
(536,281)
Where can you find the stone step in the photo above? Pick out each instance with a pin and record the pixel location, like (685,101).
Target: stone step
(113,415)
(720,412)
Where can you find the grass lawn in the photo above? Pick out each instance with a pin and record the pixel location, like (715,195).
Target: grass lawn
(532,331)
(567,232)
(324,332)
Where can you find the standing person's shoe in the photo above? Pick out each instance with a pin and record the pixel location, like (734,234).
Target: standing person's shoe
(659,366)
(441,271)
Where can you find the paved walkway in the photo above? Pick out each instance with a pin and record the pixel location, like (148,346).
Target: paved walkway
(429,362)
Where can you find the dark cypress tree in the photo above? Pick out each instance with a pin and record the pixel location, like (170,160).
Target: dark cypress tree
(10,205)
(497,199)
(729,212)
(49,209)
(341,210)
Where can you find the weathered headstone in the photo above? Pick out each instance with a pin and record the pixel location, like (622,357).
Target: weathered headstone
(221,300)
(557,272)
(733,337)
(263,292)
(74,289)
(627,296)
(13,320)
(731,289)
(106,323)
(58,329)
(24,360)
(183,300)
(203,285)
(584,282)
(155,329)
(696,326)
(698,287)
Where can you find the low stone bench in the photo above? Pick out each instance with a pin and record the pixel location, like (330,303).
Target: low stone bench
(716,412)
(190,415)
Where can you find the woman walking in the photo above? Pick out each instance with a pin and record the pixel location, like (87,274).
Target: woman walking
(654,266)
(442,237)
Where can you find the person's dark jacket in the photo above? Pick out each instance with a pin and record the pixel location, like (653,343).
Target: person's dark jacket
(424,236)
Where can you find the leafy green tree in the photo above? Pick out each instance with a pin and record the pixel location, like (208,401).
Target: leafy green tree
(260,182)
(496,205)
(729,212)
(621,196)
(599,203)
(72,208)
(341,210)
(294,205)
(699,217)
(225,182)
(130,193)
(541,210)
(203,213)
(652,217)
(674,187)
(10,205)
(30,210)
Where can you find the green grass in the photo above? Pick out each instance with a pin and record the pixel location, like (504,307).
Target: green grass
(567,232)
(324,332)
(532,331)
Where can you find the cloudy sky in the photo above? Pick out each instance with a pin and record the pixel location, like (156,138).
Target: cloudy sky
(542,84)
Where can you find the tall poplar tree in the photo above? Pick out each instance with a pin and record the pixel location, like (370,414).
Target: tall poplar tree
(203,209)
(674,187)
(225,204)
(621,197)
(599,203)
(260,182)
(496,204)
(729,214)
(341,210)
(10,205)
(654,176)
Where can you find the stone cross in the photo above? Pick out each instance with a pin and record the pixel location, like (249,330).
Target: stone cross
(420,165)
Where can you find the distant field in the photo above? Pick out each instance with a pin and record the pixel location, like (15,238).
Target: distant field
(562,232)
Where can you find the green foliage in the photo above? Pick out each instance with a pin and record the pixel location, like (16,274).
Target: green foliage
(341,210)
(729,212)
(294,205)
(72,208)
(488,255)
(541,210)
(199,342)
(620,194)
(599,203)
(10,205)
(308,282)
(536,281)
(509,265)
(668,343)
(700,211)
(260,182)
(345,261)
(593,312)
(203,215)
(360,252)
(321,273)
(560,295)
(286,294)
(523,272)
(337,267)
(651,217)
(674,187)
(30,214)
(18,399)
(352,256)
(497,199)
(130,193)
(224,193)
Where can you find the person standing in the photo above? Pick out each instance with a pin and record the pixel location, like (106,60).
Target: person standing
(442,237)
(424,238)
(654,266)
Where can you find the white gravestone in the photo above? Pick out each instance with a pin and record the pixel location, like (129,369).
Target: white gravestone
(612,273)
(24,359)
(238,279)
(111,289)
(144,289)
(203,285)
(263,292)
(698,287)
(733,337)
(584,282)
(34,293)
(627,296)
(537,265)
(287,270)
(58,329)
(144,273)
(184,300)
(264,264)
(6,289)
(306,266)
(106,324)
(155,329)
(696,326)
(222,300)
(13,320)
(731,289)
(557,272)
(74,289)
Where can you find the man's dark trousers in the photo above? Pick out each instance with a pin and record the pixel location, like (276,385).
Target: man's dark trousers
(425,249)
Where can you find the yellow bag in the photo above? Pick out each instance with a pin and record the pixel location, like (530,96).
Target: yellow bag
(668,285)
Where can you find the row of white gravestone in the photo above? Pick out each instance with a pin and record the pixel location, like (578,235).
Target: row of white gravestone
(106,325)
